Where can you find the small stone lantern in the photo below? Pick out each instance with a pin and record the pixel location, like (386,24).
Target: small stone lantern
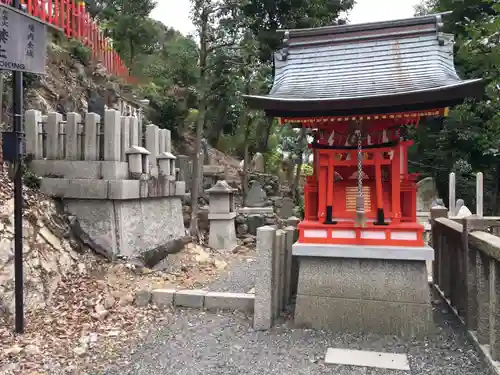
(166,167)
(221,216)
(138,162)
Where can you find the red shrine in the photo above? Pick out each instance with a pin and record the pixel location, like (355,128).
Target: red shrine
(359,88)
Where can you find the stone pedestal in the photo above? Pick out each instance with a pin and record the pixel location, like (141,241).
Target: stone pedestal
(364,289)
(221,215)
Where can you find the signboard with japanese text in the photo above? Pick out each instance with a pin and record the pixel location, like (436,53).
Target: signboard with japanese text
(23,41)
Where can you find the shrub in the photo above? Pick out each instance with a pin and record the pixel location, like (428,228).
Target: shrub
(81,53)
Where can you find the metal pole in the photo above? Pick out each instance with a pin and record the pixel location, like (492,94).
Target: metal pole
(18,194)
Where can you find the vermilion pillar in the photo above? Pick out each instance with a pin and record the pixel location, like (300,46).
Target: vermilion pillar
(396,186)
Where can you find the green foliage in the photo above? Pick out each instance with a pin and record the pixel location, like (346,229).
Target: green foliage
(31,180)
(468,141)
(30,80)
(307,170)
(80,52)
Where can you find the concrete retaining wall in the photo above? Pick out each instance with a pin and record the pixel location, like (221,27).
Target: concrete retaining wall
(273,281)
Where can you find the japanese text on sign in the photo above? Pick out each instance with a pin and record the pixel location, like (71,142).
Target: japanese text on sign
(22,42)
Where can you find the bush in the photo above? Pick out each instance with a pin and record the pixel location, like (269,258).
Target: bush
(81,53)
(31,180)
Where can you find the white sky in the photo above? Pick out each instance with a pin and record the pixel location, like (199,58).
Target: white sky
(175,13)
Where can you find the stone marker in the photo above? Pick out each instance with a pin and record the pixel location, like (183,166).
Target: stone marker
(460,203)
(287,207)
(258,163)
(426,193)
(256,196)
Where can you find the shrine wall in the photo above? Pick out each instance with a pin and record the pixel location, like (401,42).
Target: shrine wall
(120,184)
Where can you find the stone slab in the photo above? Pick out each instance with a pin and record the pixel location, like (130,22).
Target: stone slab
(363,252)
(229,301)
(222,216)
(194,298)
(256,210)
(163,297)
(363,358)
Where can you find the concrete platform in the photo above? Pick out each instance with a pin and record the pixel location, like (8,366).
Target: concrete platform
(364,290)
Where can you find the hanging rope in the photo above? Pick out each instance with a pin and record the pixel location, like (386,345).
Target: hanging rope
(360,219)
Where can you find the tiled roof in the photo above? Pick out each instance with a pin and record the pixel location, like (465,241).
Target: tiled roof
(341,64)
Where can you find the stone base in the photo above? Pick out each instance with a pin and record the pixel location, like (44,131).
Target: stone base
(222,235)
(364,295)
(128,227)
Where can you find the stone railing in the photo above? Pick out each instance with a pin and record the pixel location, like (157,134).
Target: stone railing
(71,154)
(466,271)
(274,278)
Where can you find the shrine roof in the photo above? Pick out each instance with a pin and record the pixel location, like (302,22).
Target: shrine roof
(365,68)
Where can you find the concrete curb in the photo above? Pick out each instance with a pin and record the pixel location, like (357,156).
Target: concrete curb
(196,298)
(483,350)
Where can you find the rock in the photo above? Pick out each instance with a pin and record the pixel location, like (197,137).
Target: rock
(152,257)
(248,240)
(270,221)
(202,256)
(80,351)
(126,300)
(109,302)
(14,350)
(142,298)
(220,264)
(256,197)
(32,349)
(242,229)
(81,268)
(100,312)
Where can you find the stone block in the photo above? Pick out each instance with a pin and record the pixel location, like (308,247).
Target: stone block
(222,235)
(163,298)
(112,135)
(54,187)
(142,298)
(124,189)
(263,312)
(180,188)
(359,316)
(194,298)
(229,301)
(375,279)
(87,189)
(67,168)
(114,170)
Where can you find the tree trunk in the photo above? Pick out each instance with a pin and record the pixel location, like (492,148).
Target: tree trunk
(264,128)
(246,161)
(200,122)
(296,181)
(496,192)
(197,172)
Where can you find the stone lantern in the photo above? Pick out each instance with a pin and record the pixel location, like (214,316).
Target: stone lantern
(221,216)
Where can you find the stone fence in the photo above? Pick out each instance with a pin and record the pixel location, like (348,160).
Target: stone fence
(123,187)
(275,274)
(466,271)
(112,151)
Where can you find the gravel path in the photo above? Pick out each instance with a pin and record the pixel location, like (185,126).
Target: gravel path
(225,344)
(239,276)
